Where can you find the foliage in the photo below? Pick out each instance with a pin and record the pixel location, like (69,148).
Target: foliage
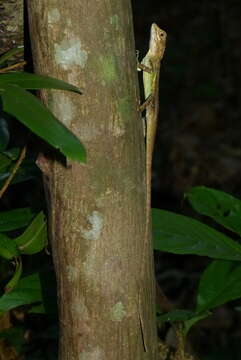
(23,231)
(221,281)
(25,107)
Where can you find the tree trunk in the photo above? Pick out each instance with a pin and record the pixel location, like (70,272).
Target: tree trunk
(97,210)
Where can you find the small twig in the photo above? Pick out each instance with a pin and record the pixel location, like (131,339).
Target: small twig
(13,172)
(12,67)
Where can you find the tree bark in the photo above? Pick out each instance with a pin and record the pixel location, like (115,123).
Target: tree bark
(97,210)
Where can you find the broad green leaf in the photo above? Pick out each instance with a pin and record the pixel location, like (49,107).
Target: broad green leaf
(4,134)
(5,162)
(176,315)
(193,320)
(16,277)
(220,206)
(12,153)
(28,170)
(37,309)
(7,159)
(4,174)
(15,219)
(11,53)
(29,110)
(34,238)
(8,248)
(34,82)
(187,317)
(27,291)
(179,234)
(220,283)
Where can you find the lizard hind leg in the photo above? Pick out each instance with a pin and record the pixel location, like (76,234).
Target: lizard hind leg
(146,103)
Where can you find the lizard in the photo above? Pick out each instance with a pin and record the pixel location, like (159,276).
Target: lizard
(151,70)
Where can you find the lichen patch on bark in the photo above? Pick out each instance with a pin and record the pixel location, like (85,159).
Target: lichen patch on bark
(69,53)
(108,69)
(64,106)
(115,21)
(79,308)
(53,16)
(96,222)
(118,311)
(96,354)
(72,273)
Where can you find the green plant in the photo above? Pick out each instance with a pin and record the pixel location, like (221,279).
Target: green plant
(178,234)
(18,102)
(26,108)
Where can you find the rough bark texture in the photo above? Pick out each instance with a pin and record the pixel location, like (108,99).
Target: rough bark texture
(97,209)
(11,24)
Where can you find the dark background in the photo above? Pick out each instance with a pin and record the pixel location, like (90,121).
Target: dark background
(198,138)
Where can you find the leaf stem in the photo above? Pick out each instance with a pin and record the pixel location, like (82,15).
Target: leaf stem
(12,67)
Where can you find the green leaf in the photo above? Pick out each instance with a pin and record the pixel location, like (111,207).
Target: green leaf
(37,309)
(35,82)
(193,320)
(4,174)
(34,238)
(7,159)
(8,248)
(27,291)
(12,153)
(15,219)
(220,283)
(16,277)
(28,170)
(187,317)
(4,134)
(220,206)
(11,53)
(4,162)
(179,234)
(29,110)
(176,315)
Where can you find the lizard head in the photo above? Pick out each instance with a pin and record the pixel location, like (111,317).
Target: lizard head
(157,40)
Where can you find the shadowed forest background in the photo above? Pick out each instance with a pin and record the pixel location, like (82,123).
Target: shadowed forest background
(197,143)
